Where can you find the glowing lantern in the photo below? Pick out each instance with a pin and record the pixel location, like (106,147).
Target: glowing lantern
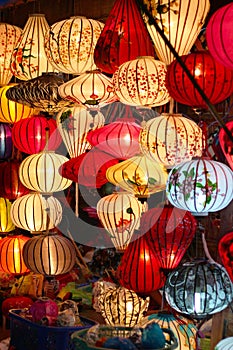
(36,213)
(171,139)
(6,224)
(206,71)
(141,82)
(123,38)
(226,144)
(199,288)
(49,255)
(5,141)
(181,22)
(225,250)
(11,257)
(29,60)
(200,186)
(69,44)
(225,344)
(74,124)
(9,35)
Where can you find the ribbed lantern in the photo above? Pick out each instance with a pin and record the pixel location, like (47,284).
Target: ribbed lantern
(11,254)
(171,139)
(119,138)
(29,60)
(32,135)
(199,288)
(36,213)
(139,269)
(49,255)
(200,186)
(120,215)
(225,344)
(5,141)
(11,112)
(225,250)
(226,144)
(39,172)
(123,38)
(74,124)
(9,35)
(181,22)
(141,82)
(213,78)
(6,223)
(169,231)
(139,176)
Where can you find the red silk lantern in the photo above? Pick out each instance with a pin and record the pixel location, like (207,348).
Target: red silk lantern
(123,38)
(225,250)
(5,141)
(226,144)
(169,232)
(215,80)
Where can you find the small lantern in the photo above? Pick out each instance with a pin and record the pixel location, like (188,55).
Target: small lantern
(199,288)
(226,144)
(5,141)
(49,254)
(225,344)
(141,82)
(225,250)
(6,223)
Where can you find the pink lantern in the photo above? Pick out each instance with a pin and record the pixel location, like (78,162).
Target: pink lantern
(226,144)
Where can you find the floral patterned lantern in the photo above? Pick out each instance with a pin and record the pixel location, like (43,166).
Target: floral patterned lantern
(226,144)
(6,223)
(171,139)
(225,250)
(29,60)
(9,35)
(69,44)
(141,82)
(5,141)
(200,186)
(181,22)
(123,38)
(206,71)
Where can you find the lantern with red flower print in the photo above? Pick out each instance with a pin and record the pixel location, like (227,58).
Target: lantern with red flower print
(226,144)
(225,250)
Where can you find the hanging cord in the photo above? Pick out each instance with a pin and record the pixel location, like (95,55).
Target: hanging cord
(206,250)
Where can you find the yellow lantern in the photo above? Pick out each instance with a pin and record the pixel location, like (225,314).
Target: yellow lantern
(6,224)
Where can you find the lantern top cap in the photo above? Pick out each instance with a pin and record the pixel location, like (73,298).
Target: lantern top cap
(78,17)
(36,15)
(146,57)
(171,115)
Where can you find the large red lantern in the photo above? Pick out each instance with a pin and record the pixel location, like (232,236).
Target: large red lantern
(226,144)
(5,141)
(214,79)
(225,250)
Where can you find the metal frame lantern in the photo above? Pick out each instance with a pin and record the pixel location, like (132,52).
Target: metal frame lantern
(5,141)
(6,223)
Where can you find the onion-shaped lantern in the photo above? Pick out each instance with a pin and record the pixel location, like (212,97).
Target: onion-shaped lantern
(139,176)
(181,22)
(36,213)
(5,141)
(69,44)
(226,144)
(169,232)
(200,186)
(206,71)
(11,112)
(49,254)
(11,254)
(225,344)
(171,139)
(33,135)
(139,269)
(120,215)
(74,124)
(40,172)
(225,250)
(6,223)
(123,38)
(119,138)
(199,288)
(9,35)
(10,184)
(141,82)
(91,89)
(29,60)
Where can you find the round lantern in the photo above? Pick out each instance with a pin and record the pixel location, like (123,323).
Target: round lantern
(49,255)
(214,79)
(5,141)
(39,172)
(9,35)
(29,60)
(11,256)
(141,82)
(225,250)
(6,223)
(200,186)
(69,44)
(10,184)
(181,22)
(171,139)
(139,269)
(36,213)
(74,124)
(123,38)
(119,138)
(169,232)
(120,215)
(90,89)
(32,135)
(199,288)
(225,344)
(138,175)
(11,112)
(226,144)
